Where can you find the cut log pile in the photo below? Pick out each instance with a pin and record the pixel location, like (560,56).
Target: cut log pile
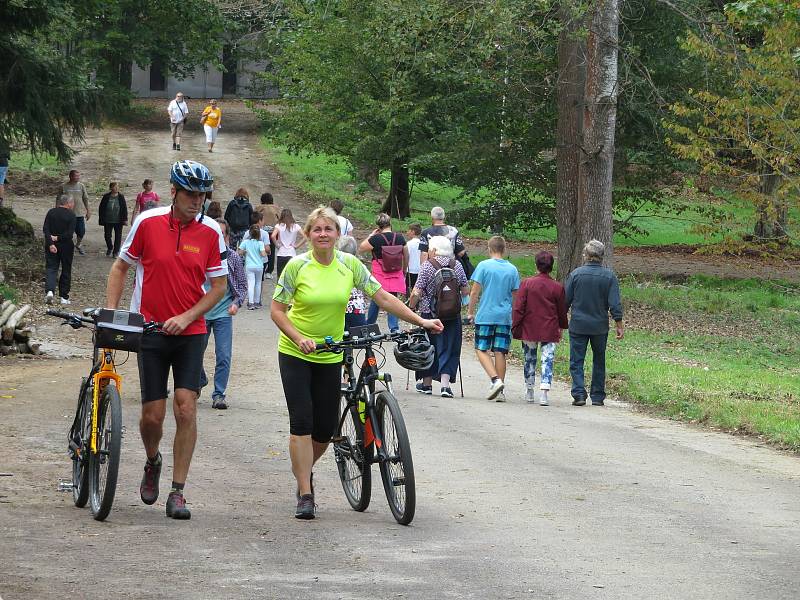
(15,332)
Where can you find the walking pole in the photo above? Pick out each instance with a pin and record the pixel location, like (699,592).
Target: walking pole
(460,378)
(408,377)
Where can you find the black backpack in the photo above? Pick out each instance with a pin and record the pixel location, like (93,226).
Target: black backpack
(446,291)
(238,216)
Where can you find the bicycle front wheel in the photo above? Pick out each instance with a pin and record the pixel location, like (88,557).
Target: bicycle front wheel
(104,464)
(352,459)
(79,447)
(397,470)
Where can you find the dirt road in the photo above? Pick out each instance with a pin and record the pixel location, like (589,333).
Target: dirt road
(514,500)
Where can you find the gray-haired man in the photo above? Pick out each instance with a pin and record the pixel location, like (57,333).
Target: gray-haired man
(592,292)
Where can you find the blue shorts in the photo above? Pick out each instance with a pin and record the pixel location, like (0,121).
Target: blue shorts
(496,338)
(3,172)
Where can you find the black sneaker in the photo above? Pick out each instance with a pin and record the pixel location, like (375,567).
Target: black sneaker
(297,493)
(176,507)
(447,392)
(305,507)
(424,389)
(579,402)
(174,146)
(598,403)
(218,402)
(148,490)
(179,147)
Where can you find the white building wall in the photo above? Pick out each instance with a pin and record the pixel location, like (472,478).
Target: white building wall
(204,83)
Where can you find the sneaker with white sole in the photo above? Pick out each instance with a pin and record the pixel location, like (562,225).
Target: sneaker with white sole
(530,395)
(269,275)
(447,392)
(424,389)
(501,397)
(496,387)
(49,297)
(543,399)
(65,302)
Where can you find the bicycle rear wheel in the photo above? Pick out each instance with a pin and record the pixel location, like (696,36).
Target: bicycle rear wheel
(352,459)
(79,447)
(397,471)
(104,464)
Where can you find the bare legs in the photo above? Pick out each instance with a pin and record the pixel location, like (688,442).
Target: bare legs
(304,453)
(151,427)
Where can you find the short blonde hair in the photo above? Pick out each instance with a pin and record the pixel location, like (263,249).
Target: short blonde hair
(321,212)
(441,245)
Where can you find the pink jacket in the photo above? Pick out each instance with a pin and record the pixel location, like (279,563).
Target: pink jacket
(540,310)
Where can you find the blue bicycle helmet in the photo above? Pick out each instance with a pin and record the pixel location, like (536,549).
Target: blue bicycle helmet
(191,176)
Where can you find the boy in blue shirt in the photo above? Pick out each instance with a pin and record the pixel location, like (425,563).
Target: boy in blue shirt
(495,282)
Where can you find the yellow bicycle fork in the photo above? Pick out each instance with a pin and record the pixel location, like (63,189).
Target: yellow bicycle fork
(101,379)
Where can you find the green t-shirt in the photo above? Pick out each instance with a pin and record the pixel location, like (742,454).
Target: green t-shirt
(318,295)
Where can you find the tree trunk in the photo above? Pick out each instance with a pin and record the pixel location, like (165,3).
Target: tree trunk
(599,127)
(569,92)
(397,204)
(369,174)
(773,212)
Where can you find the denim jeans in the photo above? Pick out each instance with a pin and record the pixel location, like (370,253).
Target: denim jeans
(374,311)
(223,347)
(548,353)
(577,355)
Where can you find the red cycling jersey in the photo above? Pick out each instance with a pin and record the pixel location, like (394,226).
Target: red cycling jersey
(173,262)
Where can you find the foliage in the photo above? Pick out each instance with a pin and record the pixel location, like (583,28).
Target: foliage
(46,97)
(744,124)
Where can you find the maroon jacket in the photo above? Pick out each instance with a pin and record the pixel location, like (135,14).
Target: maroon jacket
(540,311)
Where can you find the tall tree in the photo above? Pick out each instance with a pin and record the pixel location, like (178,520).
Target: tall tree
(743,125)
(46,97)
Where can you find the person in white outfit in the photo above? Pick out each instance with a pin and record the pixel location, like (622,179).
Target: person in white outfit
(288,237)
(178,111)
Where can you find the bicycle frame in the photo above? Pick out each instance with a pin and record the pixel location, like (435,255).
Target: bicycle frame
(365,382)
(102,372)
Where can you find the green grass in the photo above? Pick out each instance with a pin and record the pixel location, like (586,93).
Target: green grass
(9,293)
(324,178)
(44,163)
(719,352)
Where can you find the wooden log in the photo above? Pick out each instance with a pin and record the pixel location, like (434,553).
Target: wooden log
(6,350)
(7,313)
(35,347)
(22,335)
(11,323)
(23,348)
(4,305)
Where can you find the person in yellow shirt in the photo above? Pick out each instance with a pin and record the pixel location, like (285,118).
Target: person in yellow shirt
(212,121)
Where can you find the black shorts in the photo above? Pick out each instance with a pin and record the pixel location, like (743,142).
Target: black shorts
(312,393)
(159,352)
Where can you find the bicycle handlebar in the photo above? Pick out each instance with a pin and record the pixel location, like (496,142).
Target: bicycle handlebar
(330,346)
(76,321)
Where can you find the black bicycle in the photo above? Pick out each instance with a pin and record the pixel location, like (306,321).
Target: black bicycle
(95,437)
(371,426)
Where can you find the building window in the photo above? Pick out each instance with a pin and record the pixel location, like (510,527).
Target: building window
(158,78)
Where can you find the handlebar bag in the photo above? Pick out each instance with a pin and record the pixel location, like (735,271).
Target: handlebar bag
(119,330)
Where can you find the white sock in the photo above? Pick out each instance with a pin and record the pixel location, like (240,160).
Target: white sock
(445,380)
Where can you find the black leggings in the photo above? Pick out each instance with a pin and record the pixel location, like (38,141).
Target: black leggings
(312,393)
(280,262)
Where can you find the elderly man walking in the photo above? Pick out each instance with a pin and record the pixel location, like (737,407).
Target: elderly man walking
(592,291)
(58,228)
(178,111)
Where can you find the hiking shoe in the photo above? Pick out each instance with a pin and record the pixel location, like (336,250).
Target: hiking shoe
(80,250)
(579,402)
(424,389)
(65,302)
(447,392)
(501,397)
(530,397)
(598,403)
(176,506)
(148,489)
(219,402)
(496,387)
(305,507)
(49,297)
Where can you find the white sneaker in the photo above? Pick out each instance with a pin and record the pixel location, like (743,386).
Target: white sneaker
(529,395)
(65,302)
(49,297)
(501,397)
(495,389)
(269,275)
(543,400)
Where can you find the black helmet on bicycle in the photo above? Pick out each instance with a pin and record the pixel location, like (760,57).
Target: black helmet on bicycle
(415,353)
(191,176)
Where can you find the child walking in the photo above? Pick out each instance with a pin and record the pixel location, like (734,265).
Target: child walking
(254,251)
(413,233)
(540,313)
(285,235)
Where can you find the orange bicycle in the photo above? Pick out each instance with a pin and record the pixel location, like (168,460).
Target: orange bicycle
(95,438)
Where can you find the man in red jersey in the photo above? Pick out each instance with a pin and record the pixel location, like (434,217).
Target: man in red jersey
(175,249)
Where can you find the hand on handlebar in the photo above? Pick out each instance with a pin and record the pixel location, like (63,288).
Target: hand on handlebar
(307,346)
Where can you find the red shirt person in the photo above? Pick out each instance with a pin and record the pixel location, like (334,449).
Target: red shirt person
(539,315)
(175,249)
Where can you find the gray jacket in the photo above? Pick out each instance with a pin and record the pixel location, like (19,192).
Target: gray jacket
(592,292)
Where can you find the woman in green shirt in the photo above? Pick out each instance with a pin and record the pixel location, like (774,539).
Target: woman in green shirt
(317,285)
